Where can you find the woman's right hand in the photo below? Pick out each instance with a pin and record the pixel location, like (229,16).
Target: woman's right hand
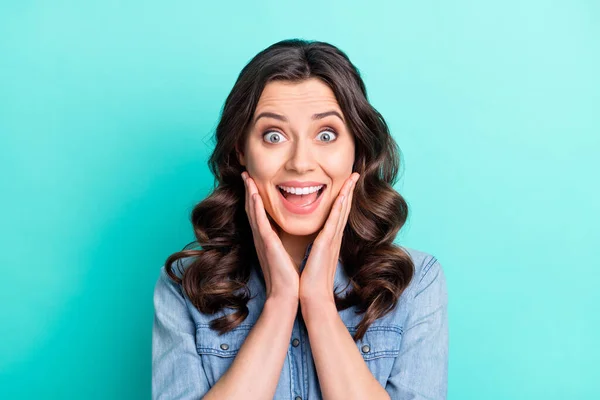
(281,276)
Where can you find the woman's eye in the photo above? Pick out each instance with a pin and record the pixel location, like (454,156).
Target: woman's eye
(327,135)
(276,137)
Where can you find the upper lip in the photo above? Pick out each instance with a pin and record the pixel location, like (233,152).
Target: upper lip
(299,184)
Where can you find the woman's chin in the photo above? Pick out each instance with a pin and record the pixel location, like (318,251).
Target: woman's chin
(300,232)
(300,228)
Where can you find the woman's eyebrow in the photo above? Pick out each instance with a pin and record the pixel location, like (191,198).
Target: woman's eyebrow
(284,119)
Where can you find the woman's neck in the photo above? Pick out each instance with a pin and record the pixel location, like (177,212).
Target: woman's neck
(296,245)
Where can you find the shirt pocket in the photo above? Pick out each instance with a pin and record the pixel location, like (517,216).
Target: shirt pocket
(379,348)
(218,351)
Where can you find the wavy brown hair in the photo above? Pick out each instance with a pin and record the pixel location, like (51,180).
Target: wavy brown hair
(378,270)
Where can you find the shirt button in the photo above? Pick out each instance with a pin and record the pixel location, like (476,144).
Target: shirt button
(224,346)
(295,342)
(297,398)
(366,348)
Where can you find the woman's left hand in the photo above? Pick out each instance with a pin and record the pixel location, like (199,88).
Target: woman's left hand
(317,277)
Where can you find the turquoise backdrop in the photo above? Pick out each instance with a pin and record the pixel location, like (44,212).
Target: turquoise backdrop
(106,116)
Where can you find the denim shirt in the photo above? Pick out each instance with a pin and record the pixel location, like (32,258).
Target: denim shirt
(406,350)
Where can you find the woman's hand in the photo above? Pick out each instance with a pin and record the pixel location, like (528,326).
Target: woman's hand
(281,275)
(316,280)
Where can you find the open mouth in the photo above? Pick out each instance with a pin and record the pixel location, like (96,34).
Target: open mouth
(302,200)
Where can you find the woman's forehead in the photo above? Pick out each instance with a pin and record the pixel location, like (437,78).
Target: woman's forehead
(307,92)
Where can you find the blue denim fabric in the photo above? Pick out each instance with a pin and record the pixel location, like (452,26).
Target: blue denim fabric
(407,348)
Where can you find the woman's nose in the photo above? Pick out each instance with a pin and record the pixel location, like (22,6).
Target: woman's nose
(301,157)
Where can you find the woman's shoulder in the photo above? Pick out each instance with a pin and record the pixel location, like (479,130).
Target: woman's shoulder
(428,270)
(422,260)
(178,267)
(166,285)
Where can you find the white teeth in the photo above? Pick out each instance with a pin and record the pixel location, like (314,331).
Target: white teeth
(306,190)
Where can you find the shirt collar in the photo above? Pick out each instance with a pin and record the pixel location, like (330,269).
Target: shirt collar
(306,254)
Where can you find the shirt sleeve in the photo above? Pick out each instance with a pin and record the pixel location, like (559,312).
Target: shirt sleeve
(421,369)
(177,371)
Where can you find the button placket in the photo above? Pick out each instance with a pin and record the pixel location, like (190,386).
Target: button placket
(297,359)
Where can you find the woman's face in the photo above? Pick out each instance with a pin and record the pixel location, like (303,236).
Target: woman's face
(298,133)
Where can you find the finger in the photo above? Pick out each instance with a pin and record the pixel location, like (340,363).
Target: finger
(251,201)
(346,208)
(273,224)
(246,192)
(334,216)
(347,191)
(264,226)
(259,214)
(256,200)
(255,197)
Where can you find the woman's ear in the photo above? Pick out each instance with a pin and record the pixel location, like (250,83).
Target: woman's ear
(240,156)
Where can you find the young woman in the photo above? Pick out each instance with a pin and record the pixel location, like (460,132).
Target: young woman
(297,290)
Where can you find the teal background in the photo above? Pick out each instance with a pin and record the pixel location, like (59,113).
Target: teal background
(106,115)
